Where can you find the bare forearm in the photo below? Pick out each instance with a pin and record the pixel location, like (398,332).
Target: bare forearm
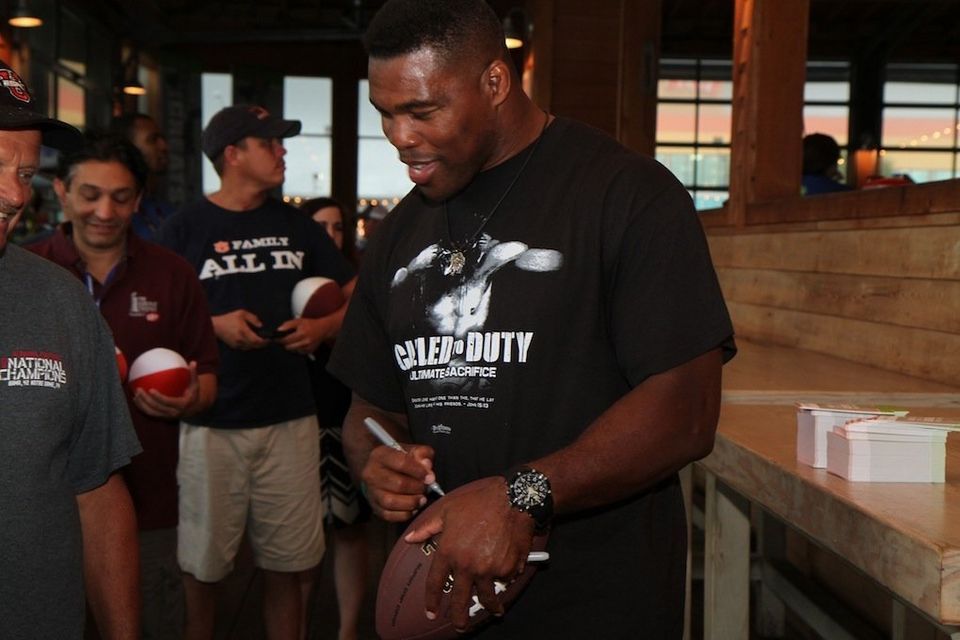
(657,428)
(206,395)
(111,559)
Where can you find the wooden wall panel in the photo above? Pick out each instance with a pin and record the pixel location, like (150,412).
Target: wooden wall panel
(907,302)
(886,296)
(917,252)
(933,355)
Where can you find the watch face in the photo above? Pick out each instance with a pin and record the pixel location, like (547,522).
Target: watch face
(530,490)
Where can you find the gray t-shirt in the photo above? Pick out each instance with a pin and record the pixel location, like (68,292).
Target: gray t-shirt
(64,428)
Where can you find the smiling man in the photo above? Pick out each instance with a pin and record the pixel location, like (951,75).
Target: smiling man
(540,316)
(151,298)
(67,518)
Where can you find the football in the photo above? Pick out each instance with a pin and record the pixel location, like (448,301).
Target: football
(161,369)
(315,297)
(400,596)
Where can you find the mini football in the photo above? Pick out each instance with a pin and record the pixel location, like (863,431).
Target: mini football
(400,597)
(315,297)
(160,369)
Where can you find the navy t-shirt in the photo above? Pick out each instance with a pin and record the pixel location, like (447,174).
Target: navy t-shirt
(252,260)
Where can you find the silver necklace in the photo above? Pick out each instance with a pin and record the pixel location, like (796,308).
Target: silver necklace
(456,259)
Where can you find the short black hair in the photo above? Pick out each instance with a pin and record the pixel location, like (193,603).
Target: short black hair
(820,153)
(457,29)
(105,147)
(312,205)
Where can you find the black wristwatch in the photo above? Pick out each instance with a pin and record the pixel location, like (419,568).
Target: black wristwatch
(529,491)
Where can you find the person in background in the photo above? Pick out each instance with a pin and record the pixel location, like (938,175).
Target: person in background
(821,174)
(151,298)
(250,464)
(143,131)
(65,429)
(345,509)
(368,221)
(539,317)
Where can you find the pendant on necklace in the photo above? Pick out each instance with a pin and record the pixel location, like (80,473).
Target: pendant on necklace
(457,262)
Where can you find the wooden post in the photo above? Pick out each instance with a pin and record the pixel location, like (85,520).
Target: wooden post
(598,63)
(769,69)
(726,564)
(640,26)
(344,142)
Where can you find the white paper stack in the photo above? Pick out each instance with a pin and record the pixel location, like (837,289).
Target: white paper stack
(890,449)
(814,421)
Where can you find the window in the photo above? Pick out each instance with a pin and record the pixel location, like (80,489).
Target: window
(920,122)
(693,126)
(381,177)
(216,92)
(72,56)
(308,159)
(694,119)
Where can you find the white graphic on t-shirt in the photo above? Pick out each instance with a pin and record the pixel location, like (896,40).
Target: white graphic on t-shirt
(464,307)
(24,368)
(241,260)
(461,360)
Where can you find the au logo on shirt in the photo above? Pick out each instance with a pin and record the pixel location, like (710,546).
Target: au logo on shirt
(28,368)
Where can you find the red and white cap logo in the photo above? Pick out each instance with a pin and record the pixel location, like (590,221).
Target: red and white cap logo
(260,112)
(12,83)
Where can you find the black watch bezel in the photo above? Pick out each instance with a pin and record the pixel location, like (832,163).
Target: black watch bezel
(541,512)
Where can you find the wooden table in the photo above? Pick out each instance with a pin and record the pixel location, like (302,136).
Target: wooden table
(904,536)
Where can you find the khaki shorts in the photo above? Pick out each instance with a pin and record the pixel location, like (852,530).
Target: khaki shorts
(264,481)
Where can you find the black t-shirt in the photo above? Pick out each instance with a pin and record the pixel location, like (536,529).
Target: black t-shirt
(591,276)
(252,260)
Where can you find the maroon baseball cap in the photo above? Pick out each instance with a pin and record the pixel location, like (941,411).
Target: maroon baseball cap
(18,111)
(232,124)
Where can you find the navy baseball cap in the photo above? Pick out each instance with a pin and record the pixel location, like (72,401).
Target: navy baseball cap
(232,124)
(18,111)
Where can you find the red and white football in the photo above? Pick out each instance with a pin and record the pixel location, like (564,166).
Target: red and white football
(315,297)
(400,597)
(161,369)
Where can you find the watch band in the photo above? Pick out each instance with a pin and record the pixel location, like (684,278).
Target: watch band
(536,484)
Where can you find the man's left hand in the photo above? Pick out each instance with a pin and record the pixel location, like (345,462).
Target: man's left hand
(481,538)
(306,335)
(153,403)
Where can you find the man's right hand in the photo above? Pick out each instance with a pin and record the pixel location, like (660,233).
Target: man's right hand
(396,481)
(236,330)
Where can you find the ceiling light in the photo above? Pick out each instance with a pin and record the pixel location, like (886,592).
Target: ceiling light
(513,27)
(134,88)
(23,17)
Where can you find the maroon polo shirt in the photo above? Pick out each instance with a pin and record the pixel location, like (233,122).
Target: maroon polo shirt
(152,299)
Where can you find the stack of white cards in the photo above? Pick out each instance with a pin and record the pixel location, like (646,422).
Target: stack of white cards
(889,449)
(814,421)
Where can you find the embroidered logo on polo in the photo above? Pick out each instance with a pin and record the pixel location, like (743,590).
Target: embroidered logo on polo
(12,83)
(251,255)
(143,307)
(26,368)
